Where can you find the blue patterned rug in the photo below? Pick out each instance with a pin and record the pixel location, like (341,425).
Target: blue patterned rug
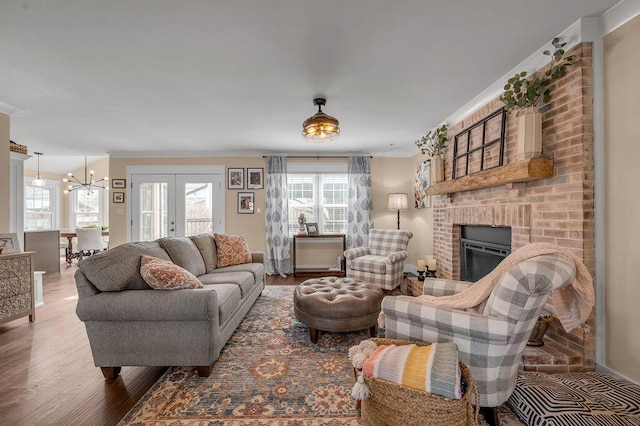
(269,373)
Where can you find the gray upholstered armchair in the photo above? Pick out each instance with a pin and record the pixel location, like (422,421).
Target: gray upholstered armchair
(491,342)
(381,263)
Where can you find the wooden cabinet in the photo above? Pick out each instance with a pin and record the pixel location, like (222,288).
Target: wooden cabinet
(16,286)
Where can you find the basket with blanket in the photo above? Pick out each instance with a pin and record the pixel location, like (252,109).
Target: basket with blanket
(413,383)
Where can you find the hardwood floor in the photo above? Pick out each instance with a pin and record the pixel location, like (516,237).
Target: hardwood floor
(47,376)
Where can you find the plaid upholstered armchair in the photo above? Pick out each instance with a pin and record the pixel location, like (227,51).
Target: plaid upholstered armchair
(490,342)
(381,263)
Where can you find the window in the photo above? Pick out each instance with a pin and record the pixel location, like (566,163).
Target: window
(88,208)
(40,205)
(322,197)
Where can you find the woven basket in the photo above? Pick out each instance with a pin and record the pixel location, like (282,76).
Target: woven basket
(16,147)
(393,404)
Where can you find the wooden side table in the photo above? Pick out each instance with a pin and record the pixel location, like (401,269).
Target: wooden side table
(319,272)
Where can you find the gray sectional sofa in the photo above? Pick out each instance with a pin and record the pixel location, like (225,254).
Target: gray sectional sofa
(130,324)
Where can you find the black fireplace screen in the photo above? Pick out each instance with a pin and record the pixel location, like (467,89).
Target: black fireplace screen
(482,248)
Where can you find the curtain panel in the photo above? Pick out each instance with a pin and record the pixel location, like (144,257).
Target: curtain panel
(359,207)
(278,258)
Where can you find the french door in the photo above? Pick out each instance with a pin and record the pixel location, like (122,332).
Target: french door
(164,205)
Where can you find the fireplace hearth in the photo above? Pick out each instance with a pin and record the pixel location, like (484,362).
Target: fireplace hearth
(482,248)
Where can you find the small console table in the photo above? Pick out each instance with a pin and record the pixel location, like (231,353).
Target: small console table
(319,272)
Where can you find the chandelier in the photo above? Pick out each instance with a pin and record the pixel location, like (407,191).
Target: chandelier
(320,127)
(87,184)
(38,181)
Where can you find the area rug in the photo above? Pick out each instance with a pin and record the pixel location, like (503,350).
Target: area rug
(576,399)
(269,373)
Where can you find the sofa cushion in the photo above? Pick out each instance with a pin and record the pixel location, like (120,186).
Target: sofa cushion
(229,297)
(242,279)
(232,249)
(184,253)
(207,246)
(119,268)
(370,263)
(257,269)
(163,275)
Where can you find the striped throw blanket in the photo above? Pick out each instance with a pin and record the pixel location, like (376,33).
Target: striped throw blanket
(432,368)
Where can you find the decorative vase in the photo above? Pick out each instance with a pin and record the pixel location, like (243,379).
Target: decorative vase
(539,330)
(529,134)
(437,169)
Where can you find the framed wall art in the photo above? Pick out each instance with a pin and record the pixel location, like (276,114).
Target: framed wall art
(422,182)
(255,178)
(245,202)
(118,197)
(312,228)
(118,183)
(9,243)
(235,178)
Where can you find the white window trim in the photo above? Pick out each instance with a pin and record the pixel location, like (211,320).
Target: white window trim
(103,216)
(53,184)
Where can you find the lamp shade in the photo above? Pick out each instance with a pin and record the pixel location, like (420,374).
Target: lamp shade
(398,201)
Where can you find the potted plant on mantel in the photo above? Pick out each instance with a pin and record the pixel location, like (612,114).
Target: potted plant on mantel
(526,95)
(433,144)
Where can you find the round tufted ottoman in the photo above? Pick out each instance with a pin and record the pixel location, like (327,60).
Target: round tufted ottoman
(337,304)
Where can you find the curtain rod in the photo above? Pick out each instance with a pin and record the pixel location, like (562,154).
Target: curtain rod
(319,156)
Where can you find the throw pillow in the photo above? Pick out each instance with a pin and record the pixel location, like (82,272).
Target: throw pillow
(232,249)
(163,275)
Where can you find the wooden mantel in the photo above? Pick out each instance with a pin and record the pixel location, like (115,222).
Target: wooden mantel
(521,171)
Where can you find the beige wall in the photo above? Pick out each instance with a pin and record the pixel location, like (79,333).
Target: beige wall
(622,203)
(4,173)
(397,175)
(388,175)
(251,225)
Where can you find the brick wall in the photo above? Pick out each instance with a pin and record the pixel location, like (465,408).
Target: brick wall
(558,210)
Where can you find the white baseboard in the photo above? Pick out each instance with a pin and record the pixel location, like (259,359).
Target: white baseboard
(606,370)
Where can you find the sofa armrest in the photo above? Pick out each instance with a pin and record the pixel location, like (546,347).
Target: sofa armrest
(397,256)
(442,287)
(257,257)
(199,304)
(356,252)
(445,321)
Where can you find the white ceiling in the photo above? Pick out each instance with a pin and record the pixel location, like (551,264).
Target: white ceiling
(220,77)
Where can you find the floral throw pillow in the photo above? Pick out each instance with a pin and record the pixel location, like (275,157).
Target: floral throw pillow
(163,275)
(232,249)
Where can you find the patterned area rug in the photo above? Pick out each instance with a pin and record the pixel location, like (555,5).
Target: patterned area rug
(269,373)
(576,399)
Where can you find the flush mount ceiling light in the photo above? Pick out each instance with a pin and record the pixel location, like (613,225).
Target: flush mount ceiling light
(320,127)
(38,181)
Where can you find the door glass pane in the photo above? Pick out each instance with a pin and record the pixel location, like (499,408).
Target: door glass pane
(153,211)
(198,208)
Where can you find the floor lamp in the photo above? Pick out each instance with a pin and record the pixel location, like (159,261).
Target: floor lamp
(398,201)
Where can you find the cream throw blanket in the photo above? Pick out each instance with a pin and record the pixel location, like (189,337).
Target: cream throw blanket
(572,304)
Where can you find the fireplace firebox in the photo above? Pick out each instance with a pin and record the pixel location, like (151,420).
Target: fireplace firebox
(482,248)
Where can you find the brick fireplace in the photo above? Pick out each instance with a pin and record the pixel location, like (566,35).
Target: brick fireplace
(558,210)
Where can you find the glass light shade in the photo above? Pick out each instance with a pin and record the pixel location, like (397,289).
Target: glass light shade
(398,201)
(38,182)
(320,127)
